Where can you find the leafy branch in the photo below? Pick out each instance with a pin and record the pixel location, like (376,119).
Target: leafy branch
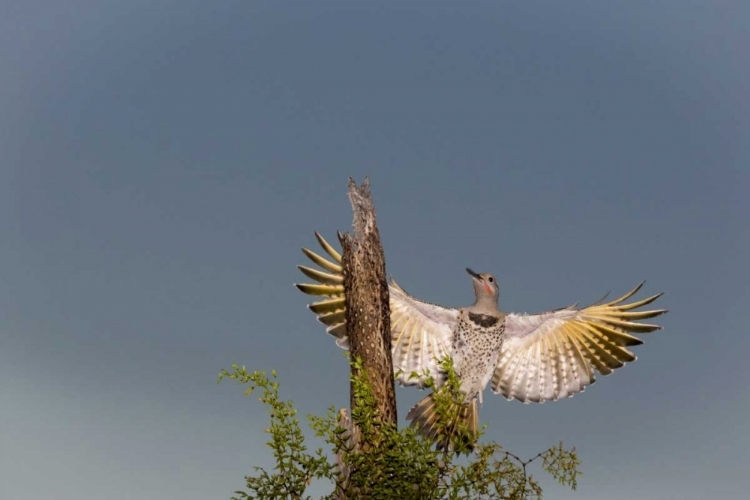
(374,459)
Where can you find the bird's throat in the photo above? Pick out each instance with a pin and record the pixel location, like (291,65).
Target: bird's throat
(483,320)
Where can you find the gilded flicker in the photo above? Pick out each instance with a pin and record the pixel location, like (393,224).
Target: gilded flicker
(528,357)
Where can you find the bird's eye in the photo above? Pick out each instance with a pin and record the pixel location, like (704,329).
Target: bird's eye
(490,279)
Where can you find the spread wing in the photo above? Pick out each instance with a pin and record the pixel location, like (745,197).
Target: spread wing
(331,310)
(421,333)
(553,355)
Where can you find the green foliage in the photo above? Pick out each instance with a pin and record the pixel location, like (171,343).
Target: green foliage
(448,404)
(377,460)
(295,467)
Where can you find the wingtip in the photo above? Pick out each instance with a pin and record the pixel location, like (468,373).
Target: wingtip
(395,285)
(328,248)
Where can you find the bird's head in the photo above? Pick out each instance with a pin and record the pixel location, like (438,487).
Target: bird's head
(485,287)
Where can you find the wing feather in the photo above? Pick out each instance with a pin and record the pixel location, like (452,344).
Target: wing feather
(548,373)
(323,262)
(555,354)
(421,339)
(421,333)
(321,277)
(560,360)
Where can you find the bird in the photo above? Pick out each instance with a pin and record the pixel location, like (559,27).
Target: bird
(531,358)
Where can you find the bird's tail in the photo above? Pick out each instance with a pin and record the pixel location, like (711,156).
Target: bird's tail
(441,426)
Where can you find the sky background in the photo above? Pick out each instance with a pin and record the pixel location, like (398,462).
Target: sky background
(162,163)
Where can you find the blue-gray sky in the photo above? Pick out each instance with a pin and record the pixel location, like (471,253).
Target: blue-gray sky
(161,163)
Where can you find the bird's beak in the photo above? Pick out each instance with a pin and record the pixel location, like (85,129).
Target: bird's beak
(473,274)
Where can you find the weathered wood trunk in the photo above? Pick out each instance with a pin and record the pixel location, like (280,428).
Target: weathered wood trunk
(367,310)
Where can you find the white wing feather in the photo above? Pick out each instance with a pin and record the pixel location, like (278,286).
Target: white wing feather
(421,334)
(553,355)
